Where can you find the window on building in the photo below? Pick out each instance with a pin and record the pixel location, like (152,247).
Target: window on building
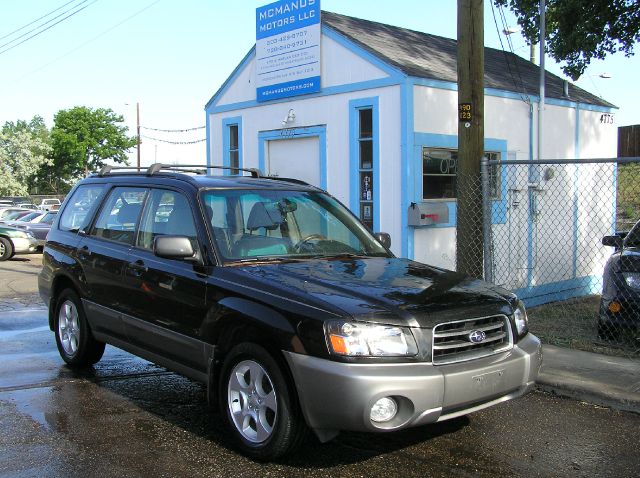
(439,171)
(234,146)
(365,165)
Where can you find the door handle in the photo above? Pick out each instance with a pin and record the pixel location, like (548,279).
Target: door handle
(84,252)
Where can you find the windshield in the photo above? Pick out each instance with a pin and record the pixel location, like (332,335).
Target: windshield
(633,238)
(28,217)
(276,225)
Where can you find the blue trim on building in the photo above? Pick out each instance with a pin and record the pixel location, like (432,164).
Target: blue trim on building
(448,85)
(354,156)
(406,172)
(208,139)
(529,214)
(226,159)
(560,290)
(446,141)
(229,81)
(332,90)
(277,135)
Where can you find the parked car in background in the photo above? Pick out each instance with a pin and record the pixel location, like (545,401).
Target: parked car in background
(46,204)
(27,205)
(29,217)
(6,203)
(620,303)
(5,212)
(16,241)
(39,229)
(14,216)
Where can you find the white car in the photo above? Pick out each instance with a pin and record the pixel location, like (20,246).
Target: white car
(8,211)
(47,204)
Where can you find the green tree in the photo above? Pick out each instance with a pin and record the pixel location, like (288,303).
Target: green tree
(84,139)
(24,150)
(579,30)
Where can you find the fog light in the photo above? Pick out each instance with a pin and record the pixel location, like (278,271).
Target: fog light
(384,410)
(614,307)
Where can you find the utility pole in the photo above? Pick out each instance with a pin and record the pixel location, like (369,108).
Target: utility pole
(469,239)
(138,128)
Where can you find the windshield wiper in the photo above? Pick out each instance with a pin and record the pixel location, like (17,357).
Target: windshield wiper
(268,259)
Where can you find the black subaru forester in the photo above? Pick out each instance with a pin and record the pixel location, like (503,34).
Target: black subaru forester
(272,293)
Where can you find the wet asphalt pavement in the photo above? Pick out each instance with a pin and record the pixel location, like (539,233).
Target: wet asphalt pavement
(128,417)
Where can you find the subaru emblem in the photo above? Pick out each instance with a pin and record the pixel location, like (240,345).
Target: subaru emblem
(477,336)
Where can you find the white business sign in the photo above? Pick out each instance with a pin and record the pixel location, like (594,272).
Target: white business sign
(287,49)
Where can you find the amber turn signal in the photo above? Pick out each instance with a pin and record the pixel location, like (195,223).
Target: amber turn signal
(614,307)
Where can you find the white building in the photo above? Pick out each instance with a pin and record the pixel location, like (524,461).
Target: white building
(382,131)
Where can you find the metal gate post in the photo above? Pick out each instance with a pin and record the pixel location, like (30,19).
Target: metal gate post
(486,220)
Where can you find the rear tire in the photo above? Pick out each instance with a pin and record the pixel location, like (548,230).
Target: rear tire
(6,249)
(74,339)
(258,405)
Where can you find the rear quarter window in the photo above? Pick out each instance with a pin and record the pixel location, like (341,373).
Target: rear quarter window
(76,214)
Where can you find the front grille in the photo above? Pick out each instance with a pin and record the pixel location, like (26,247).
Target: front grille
(452,342)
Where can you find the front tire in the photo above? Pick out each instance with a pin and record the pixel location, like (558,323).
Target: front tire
(6,249)
(258,404)
(76,344)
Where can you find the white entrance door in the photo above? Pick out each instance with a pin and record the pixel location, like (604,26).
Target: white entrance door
(297,158)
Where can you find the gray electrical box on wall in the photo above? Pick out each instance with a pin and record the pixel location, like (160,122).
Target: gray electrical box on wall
(427,214)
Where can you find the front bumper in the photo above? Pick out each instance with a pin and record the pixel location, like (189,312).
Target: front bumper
(338,396)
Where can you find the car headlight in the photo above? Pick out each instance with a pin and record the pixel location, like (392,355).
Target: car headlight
(520,318)
(632,279)
(363,339)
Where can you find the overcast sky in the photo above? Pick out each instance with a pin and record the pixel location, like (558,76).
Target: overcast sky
(171,56)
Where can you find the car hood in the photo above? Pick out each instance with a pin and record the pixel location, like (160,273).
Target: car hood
(390,290)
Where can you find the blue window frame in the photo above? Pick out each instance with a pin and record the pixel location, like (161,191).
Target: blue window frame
(364,161)
(444,148)
(232,143)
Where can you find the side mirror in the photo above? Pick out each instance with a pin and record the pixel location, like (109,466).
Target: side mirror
(383,238)
(173,247)
(612,241)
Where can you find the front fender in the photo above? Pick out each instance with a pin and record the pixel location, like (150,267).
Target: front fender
(236,319)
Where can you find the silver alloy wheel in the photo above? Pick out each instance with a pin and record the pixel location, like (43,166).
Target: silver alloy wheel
(2,249)
(252,401)
(69,327)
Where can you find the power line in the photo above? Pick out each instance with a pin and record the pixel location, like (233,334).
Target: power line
(173,130)
(524,96)
(82,45)
(173,142)
(36,20)
(48,28)
(41,25)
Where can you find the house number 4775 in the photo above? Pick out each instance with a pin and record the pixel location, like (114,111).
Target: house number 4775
(606,118)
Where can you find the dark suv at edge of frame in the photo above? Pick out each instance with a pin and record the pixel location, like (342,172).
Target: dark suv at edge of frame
(272,293)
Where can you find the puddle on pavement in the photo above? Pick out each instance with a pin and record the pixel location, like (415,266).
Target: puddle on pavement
(32,403)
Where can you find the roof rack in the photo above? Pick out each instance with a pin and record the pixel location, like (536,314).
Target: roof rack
(178,168)
(289,180)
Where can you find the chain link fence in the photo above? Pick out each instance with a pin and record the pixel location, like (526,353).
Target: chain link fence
(557,234)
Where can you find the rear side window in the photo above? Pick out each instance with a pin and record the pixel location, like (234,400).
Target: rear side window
(76,214)
(119,215)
